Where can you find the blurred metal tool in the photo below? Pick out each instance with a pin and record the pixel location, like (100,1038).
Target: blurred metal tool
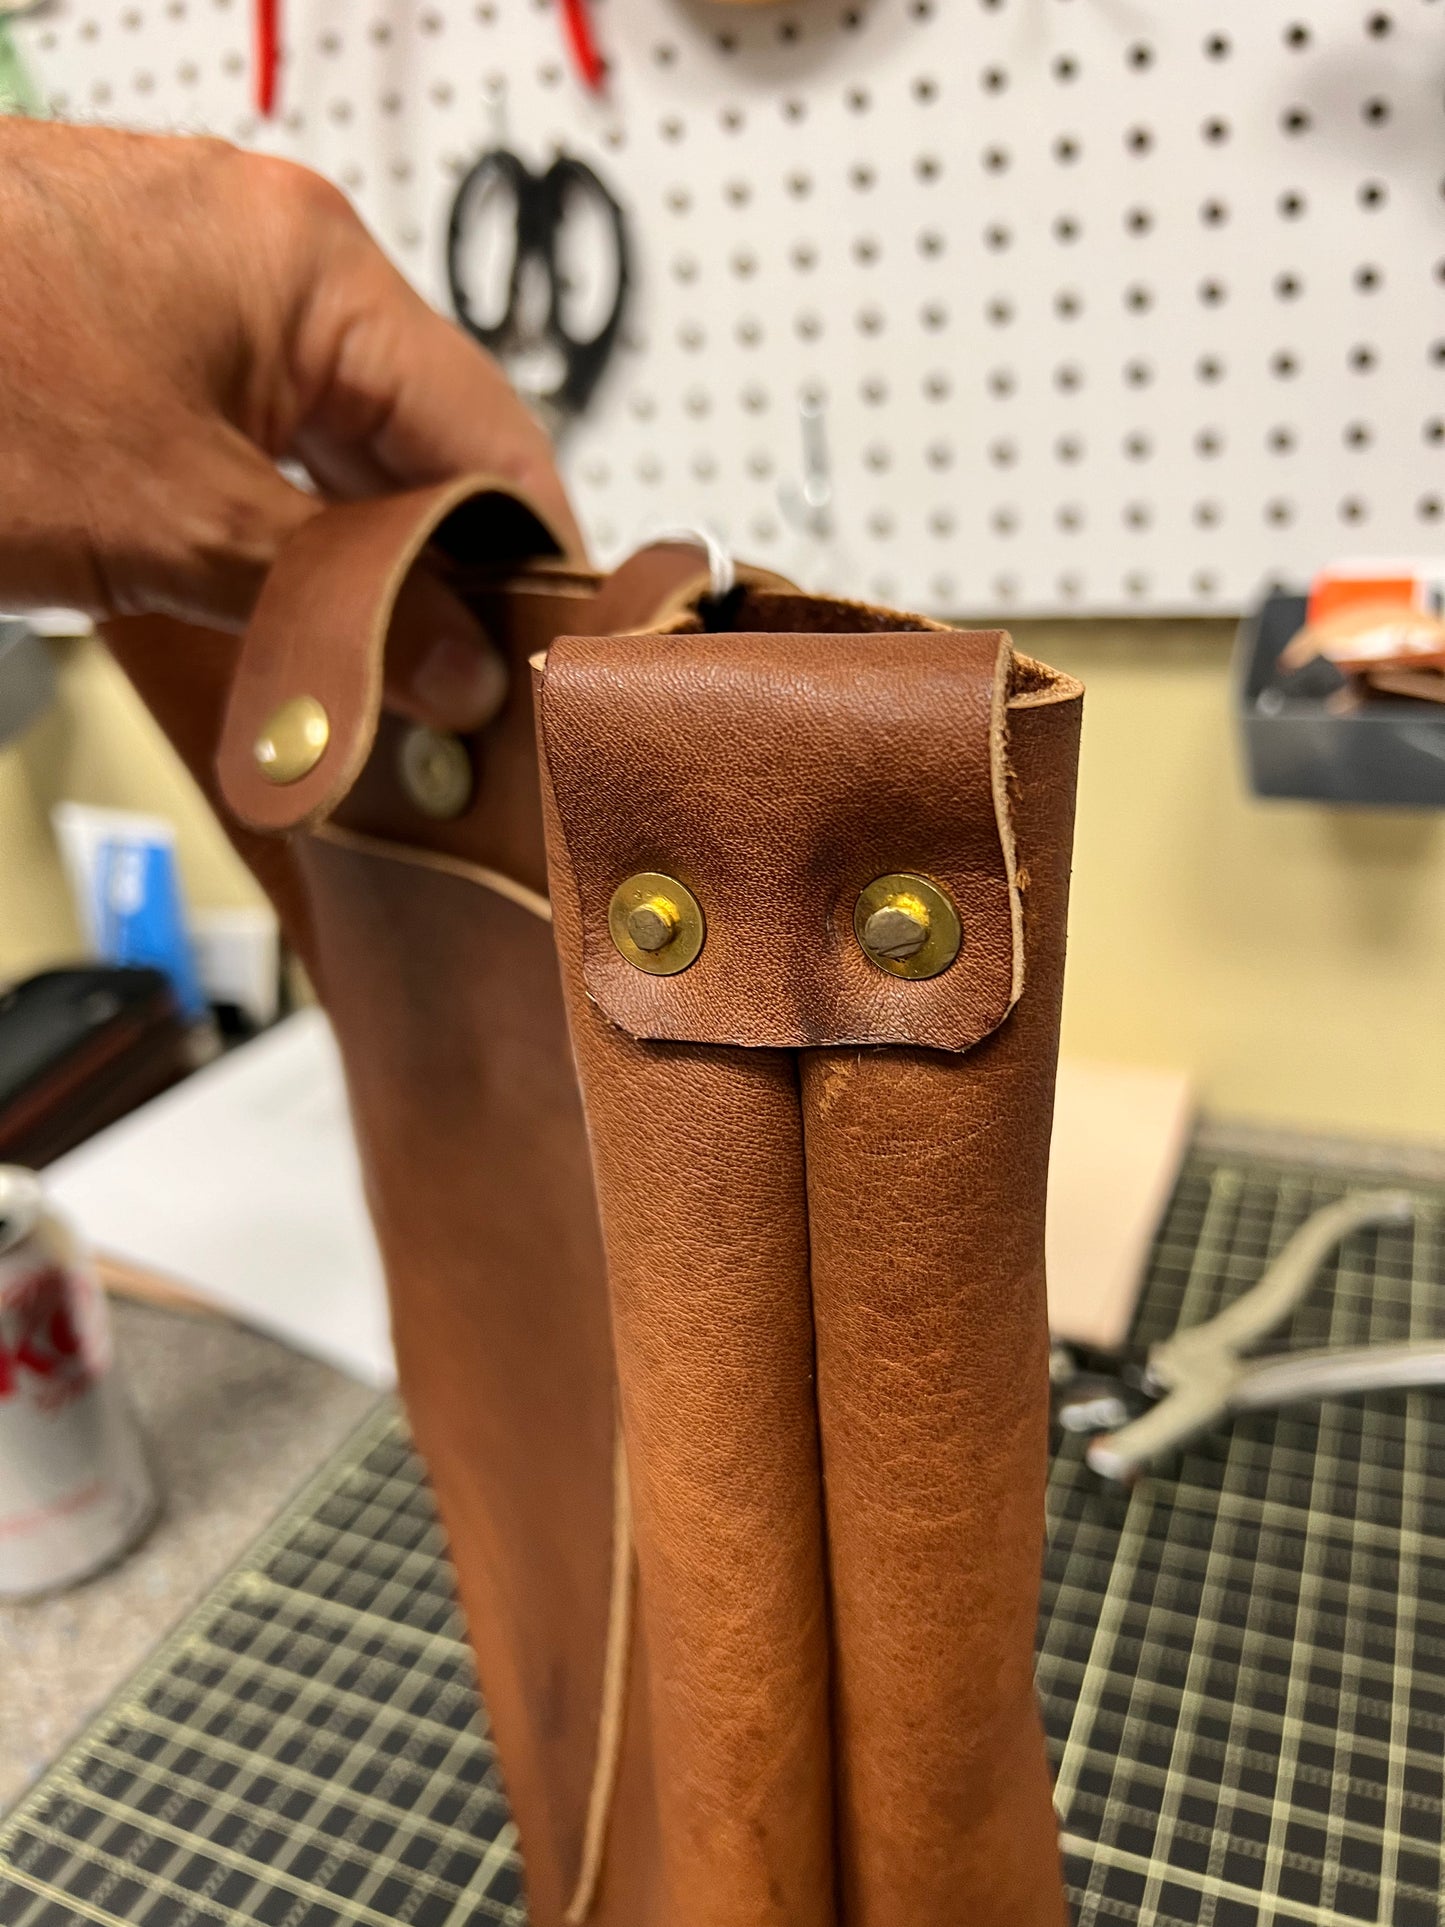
(810,507)
(1201,1375)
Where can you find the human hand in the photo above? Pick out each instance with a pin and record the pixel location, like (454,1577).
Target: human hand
(176,315)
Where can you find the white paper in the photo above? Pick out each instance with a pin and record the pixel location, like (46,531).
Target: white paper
(242,1184)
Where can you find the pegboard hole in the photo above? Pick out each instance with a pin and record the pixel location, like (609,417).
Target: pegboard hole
(1216,130)
(1357,435)
(874,391)
(1208,443)
(1214,213)
(1217,46)
(1354,509)
(1066,67)
(1292,204)
(1069,517)
(1140,56)
(1213,293)
(1373,195)
(997,238)
(930,243)
(1434,429)
(1295,120)
(1068,304)
(1281,441)
(998,312)
(1376,111)
(1279,511)
(1429,508)
(1137,515)
(1067,149)
(993,80)
(1369,279)
(925,90)
(1068,448)
(1139,140)
(1288,287)
(937,386)
(1297,36)
(1284,365)
(1138,374)
(1363,358)
(1137,446)
(939,455)
(804,256)
(1002,382)
(1003,454)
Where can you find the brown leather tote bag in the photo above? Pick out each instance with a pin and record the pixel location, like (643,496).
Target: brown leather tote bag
(721,1328)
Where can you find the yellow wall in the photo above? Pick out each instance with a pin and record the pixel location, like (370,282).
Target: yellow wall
(1292,956)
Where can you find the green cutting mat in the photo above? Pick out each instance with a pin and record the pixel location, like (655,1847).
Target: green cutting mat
(1242,1665)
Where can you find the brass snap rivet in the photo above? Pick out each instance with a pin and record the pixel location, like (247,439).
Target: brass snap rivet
(656,923)
(293,741)
(436,772)
(907,925)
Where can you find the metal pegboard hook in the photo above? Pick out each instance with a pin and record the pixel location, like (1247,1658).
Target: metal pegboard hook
(810,507)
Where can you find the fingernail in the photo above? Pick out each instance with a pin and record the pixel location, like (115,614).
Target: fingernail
(461,680)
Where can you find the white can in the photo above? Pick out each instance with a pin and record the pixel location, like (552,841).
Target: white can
(75,1487)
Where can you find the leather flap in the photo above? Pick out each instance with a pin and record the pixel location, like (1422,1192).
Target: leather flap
(320,630)
(776,775)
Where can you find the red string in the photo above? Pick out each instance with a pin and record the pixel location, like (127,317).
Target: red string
(268,54)
(582,46)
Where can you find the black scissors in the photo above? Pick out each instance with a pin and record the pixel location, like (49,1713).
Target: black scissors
(526,316)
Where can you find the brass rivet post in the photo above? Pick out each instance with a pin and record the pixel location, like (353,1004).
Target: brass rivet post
(293,741)
(656,923)
(436,772)
(907,925)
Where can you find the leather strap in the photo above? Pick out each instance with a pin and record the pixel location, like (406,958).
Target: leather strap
(320,629)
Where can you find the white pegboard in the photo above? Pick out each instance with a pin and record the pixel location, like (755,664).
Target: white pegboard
(1113,305)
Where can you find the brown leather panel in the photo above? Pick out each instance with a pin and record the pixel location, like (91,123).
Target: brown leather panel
(776,776)
(926,1185)
(697,1156)
(321,623)
(498,1294)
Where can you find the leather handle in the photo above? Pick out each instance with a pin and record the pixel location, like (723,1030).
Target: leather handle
(321,625)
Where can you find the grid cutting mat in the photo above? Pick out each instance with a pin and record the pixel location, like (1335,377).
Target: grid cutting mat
(1242,1665)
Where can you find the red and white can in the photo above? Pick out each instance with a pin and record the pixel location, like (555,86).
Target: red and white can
(76,1490)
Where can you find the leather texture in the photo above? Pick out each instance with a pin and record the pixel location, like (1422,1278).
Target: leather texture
(813,1299)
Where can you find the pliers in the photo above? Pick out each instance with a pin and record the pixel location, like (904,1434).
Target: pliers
(1201,1374)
